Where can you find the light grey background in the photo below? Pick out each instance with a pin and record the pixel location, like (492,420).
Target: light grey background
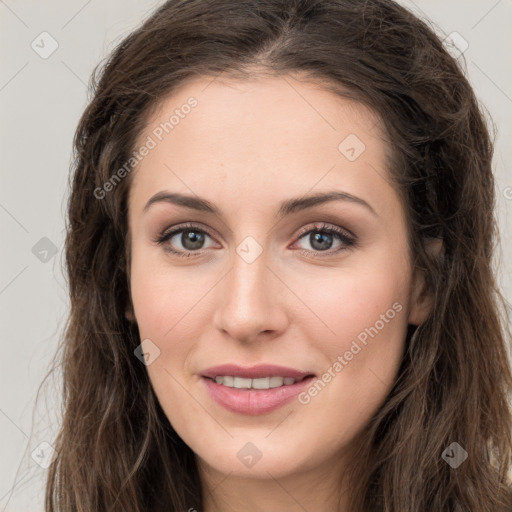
(41,100)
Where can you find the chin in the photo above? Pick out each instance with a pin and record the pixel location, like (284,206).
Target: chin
(257,457)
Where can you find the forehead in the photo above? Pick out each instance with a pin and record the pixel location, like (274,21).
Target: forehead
(220,99)
(279,135)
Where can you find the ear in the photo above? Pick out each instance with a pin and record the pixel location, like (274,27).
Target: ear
(421,299)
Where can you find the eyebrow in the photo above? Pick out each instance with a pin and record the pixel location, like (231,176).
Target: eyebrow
(287,207)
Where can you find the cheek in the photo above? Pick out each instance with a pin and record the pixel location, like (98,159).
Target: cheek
(352,301)
(167,305)
(165,300)
(368,313)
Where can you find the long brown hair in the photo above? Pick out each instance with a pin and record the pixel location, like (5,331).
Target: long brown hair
(116,449)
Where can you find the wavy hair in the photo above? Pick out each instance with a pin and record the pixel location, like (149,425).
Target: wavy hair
(116,449)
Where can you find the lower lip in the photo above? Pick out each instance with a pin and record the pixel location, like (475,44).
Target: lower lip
(254,401)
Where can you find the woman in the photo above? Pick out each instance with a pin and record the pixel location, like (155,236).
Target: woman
(279,255)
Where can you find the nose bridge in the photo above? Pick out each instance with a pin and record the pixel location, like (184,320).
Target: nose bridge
(248,302)
(249,276)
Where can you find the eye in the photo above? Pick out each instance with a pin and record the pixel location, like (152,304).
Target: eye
(190,236)
(321,238)
(192,239)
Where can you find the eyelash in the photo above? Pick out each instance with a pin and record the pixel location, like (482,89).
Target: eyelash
(347,240)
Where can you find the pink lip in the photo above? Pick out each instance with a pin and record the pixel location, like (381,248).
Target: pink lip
(254,401)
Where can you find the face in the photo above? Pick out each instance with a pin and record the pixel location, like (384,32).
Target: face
(232,264)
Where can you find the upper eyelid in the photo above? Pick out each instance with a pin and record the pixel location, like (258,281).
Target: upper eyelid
(176,229)
(325,226)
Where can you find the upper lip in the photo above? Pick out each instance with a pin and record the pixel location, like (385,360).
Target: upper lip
(254,372)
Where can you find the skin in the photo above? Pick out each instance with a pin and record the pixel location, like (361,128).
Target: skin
(245,148)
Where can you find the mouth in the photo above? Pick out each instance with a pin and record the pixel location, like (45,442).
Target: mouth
(255,390)
(268,382)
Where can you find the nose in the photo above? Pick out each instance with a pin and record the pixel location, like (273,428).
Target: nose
(250,301)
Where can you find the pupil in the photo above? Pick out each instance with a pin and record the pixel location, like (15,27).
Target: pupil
(317,238)
(192,240)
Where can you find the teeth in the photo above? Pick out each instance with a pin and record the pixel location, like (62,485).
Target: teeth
(261,383)
(275,382)
(241,383)
(228,381)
